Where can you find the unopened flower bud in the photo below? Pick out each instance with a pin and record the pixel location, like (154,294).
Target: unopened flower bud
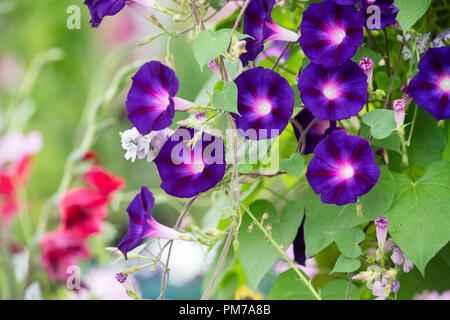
(381,223)
(399,111)
(120,277)
(250,228)
(366,64)
(265,216)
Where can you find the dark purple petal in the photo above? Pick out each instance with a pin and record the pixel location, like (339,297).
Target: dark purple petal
(315,134)
(299,245)
(258,11)
(138,212)
(150,102)
(430,88)
(387,9)
(102,8)
(345,2)
(187,171)
(342,169)
(333,93)
(142,225)
(330,34)
(265,102)
(253,48)
(259,25)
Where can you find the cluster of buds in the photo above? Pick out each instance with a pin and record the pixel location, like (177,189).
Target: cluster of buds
(379,277)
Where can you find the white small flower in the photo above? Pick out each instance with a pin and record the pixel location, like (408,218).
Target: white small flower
(135,144)
(141,146)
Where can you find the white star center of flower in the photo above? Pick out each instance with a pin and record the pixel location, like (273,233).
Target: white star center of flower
(197,167)
(338,35)
(263,107)
(330,91)
(445,84)
(347,172)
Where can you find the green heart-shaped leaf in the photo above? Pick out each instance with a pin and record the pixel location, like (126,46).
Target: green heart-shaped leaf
(419,220)
(348,241)
(410,12)
(226,99)
(381,122)
(344,264)
(208,45)
(293,165)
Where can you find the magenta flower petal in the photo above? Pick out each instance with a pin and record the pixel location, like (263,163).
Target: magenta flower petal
(333,93)
(342,169)
(315,134)
(265,103)
(102,8)
(187,171)
(430,88)
(150,102)
(387,9)
(331,33)
(142,225)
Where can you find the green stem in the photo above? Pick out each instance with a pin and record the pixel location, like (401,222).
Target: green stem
(408,143)
(302,277)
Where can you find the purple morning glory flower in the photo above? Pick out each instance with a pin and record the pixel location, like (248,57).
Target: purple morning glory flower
(259,25)
(315,134)
(430,88)
(342,169)
(102,8)
(388,13)
(331,34)
(151,101)
(187,171)
(142,225)
(265,103)
(333,93)
(345,2)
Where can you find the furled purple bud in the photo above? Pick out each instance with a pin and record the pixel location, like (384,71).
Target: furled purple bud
(381,223)
(395,286)
(399,111)
(366,64)
(120,277)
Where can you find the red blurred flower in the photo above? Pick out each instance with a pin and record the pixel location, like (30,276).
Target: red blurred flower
(101,180)
(82,212)
(11,178)
(61,250)
(8,205)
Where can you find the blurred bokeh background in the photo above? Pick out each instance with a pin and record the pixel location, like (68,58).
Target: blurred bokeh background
(64,89)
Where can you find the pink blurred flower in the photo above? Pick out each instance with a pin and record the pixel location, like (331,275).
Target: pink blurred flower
(16,146)
(434,295)
(60,250)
